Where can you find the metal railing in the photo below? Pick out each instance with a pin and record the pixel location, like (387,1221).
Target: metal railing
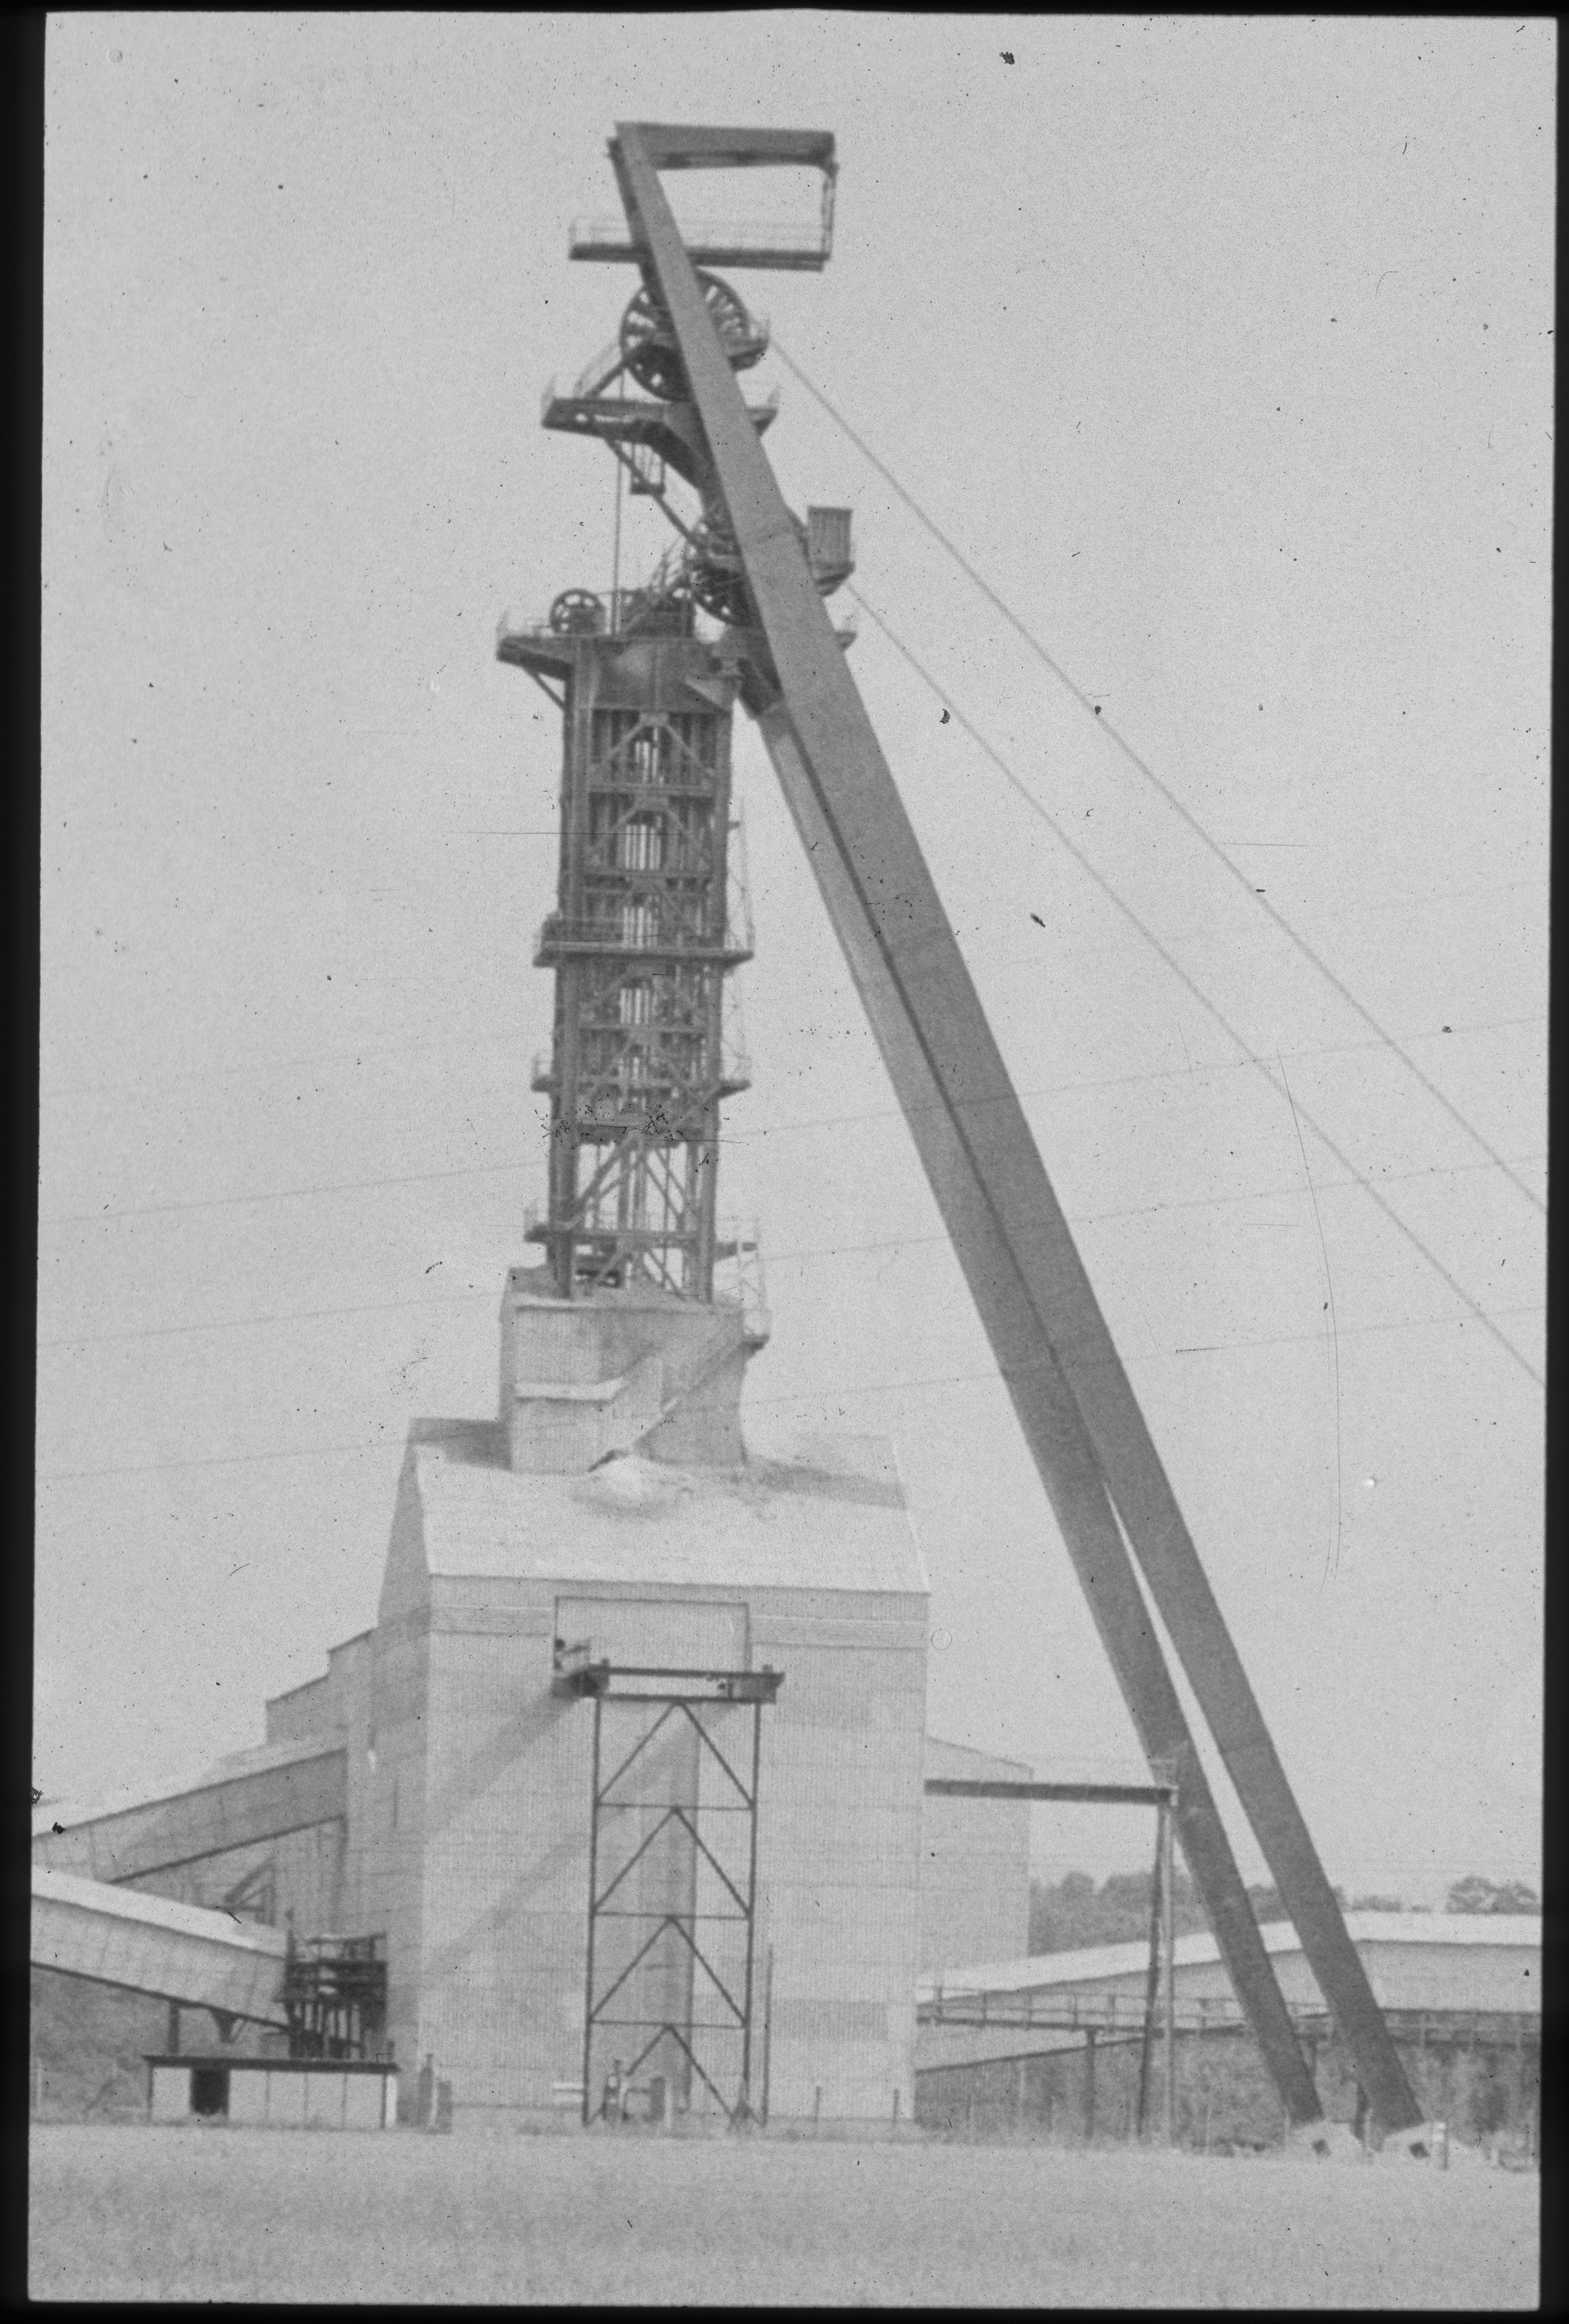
(656,1078)
(628,613)
(758,235)
(599,374)
(1068,2012)
(582,390)
(615,934)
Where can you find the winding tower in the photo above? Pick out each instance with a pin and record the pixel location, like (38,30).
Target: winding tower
(682,341)
(652,918)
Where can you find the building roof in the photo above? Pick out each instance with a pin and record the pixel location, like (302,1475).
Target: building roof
(257,1759)
(833,1520)
(121,1903)
(1514,1931)
(261,1758)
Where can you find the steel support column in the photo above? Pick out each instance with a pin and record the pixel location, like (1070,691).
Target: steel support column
(1056,1440)
(1152,1973)
(1168,1941)
(1096,1430)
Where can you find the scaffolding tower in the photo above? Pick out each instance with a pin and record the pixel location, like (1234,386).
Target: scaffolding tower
(672,1885)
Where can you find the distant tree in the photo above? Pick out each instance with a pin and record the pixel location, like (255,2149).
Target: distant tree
(1516,1896)
(1070,1914)
(1476,1894)
(1268,1904)
(1379,1904)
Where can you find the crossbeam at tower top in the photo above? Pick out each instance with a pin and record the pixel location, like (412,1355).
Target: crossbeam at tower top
(804,249)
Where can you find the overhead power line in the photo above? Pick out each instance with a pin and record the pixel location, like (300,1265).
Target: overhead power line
(775,1258)
(1210,1006)
(257,1323)
(283,1194)
(1205,837)
(768,1129)
(814,1396)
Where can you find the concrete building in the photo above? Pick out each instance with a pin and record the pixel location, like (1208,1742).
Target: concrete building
(1460,1963)
(975,1863)
(1058,2036)
(439,1786)
(471,1780)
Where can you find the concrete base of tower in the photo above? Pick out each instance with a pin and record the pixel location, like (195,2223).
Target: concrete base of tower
(585,1378)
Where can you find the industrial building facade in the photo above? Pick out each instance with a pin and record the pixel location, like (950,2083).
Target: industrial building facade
(471,1778)
(445,1785)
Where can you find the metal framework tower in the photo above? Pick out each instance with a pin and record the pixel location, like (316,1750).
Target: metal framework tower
(743,558)
(652,911)
(649,918)
(672,1881)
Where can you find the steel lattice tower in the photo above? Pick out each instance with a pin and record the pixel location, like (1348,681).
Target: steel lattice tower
(647,922)
(683,338)
(651,912)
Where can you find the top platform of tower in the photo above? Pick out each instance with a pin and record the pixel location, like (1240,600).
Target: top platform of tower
(805,249)
(696,146)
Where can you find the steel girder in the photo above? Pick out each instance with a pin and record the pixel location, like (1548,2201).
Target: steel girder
(1080,1415)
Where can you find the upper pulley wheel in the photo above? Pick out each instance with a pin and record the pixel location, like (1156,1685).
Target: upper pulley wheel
(577,612)
(648,338)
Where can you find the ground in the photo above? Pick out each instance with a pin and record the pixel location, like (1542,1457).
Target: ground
(203,2214)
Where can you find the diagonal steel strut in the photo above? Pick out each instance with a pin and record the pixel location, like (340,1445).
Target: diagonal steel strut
(1060,1449)
(1080,1415)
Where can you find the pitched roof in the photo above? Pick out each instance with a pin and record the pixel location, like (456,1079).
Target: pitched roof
(257,1759)
(119,1903)
(1092,1963)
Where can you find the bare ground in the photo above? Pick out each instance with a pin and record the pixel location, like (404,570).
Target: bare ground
(198,2214)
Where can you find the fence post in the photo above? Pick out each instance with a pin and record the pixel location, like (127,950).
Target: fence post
(1169,1933)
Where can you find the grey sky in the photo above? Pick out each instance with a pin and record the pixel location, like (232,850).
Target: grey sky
(1224,350)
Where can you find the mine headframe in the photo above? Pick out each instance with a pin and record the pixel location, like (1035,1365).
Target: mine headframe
(651,915)
(685,340)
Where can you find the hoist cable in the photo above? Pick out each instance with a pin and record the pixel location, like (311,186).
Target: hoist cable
(1209,1007)
(1086,702)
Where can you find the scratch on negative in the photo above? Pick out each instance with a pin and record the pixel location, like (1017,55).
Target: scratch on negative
(1333,1326)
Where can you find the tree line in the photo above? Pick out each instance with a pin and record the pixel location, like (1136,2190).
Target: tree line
(1073,1913)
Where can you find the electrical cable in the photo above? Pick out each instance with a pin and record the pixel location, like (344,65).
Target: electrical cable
(1081,1220)
(264,1068)
(818,1396)
(282,1193)
(1188,985)
(1166,792)
(258,1322)
(744,1137)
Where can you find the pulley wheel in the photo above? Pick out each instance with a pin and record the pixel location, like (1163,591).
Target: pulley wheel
(576,614)
(648,338)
